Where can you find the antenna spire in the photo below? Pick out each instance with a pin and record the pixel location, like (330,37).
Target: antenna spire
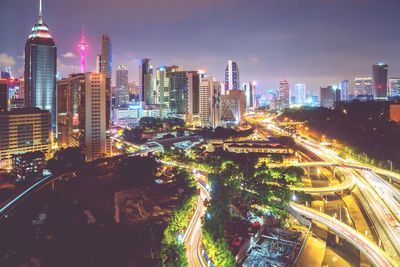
(40,12)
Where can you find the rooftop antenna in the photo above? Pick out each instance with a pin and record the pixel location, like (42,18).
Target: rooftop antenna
(40,12)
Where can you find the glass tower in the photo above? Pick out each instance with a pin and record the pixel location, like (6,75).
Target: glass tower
(40,70)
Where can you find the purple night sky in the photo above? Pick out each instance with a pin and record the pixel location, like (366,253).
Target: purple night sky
(317,42)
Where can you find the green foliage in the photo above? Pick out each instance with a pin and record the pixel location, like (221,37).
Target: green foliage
(66,159)
(138,171)
(155,124)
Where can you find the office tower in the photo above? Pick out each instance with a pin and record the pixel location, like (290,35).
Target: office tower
(232,81)
(394,84)
(344,90)
(62,111)
(146,82)
(210,108)
(184,93)
(299,94)
(162,86)
(233,107)
(249,89)
(121,83)
(327,96)
(83,47)
(283,93)
(40,70)
(363,86)
(87,121)
(380,80)
(105,57)
(28,165)
(24,130)
(3,94)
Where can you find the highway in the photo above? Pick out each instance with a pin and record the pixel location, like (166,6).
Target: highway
(192,237)
(375,255)
(10,205)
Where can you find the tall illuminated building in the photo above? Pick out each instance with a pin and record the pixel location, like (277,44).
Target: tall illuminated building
(298,95)
(344,90)
(380,80)
(232,81)
(162,86)
(83,48)
(249,89)
(209,101)
(394,85)
(363,86)
(284,93)
(40,70)
(121,83)
(146,81)
(104,60)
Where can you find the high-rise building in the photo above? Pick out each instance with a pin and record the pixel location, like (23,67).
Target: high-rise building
(24,130)
(41,69)
(299,94)
(327,96)
(121,83)
(105,56)
(394,85)
(3,94)
(210,107)
(233,107)
(284,93)
(380,80)
(83,47)
(232,81)
(344,90)
(363,86)
(249,89)
(184,93)
(146,81)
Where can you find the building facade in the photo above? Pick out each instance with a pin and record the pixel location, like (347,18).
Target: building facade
(210,107)
(122,86)
(232,81)
(3,95)
(24,130)
(380,80)
(327,97)
(28,165)
(284,93)
(249,89)
(363,86)
(299,95)
(344,90)
(233,107)
(394,85)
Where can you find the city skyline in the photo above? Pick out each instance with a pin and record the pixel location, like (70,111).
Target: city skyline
(275,49)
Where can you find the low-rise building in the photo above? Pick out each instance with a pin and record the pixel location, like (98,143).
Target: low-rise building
(394,111)
(256,147)
(28,165)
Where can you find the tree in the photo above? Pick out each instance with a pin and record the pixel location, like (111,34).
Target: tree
(138,171)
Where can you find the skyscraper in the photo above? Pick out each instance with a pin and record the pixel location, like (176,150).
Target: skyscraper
(380,80)
(83,47)
(299,95)
(41,69)
(210,108)
(249,89)
(184,93)
(105,56)
(121,82)
(3,94)
(146,81)
(283,93)
(233,107)
(162,86)
(344,90)
(327,96)
(232,81)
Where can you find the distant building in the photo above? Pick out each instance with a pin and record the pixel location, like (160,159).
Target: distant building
(146,81)
(394,112)
(122,86)
(249,89)
(299,95)
(284,93)
(327,97)
(232,81)
(394,85)
(380,80)
(257,147)
(210,109)
(28,165)
(105,56)
(24,130)
(344,90)
(184,94)
(233,107)
(363,86)
(3,95)
(40,71)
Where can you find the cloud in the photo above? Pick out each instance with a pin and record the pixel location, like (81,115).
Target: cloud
(69,55)
(66,69)
(6,60)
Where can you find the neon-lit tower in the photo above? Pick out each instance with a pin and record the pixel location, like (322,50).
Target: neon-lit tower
(83,47)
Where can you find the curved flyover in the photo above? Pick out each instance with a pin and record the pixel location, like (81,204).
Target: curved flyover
(374,254)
